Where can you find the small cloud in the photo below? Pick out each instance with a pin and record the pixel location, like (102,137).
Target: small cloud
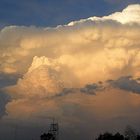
(90,89)
(127,83)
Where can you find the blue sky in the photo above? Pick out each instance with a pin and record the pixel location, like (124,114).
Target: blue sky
(55,12)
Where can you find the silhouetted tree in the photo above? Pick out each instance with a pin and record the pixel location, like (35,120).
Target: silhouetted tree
(130,133)
(138,137)
(47,136)
(109,136)
(118,136)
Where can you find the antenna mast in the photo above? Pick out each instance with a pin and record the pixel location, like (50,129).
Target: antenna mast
(52,133)
(54,129)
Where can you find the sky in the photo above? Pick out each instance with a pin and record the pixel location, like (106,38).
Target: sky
(55,12)
(77,61)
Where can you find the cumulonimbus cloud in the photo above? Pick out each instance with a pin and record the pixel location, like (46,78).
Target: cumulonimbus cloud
(73,60)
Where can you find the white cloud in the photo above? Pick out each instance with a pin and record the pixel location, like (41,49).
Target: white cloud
(130,14)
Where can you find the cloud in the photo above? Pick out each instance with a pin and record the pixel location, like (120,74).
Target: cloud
(43,80)
(129,15)
(127,83)
(23,43)
(91,88)
(60,68)
(72,56)
(47,78)
(76,110)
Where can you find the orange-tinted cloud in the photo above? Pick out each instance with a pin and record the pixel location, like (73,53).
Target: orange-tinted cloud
(64,68)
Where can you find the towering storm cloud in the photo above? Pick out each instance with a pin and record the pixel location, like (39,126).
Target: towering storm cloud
(85,72)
